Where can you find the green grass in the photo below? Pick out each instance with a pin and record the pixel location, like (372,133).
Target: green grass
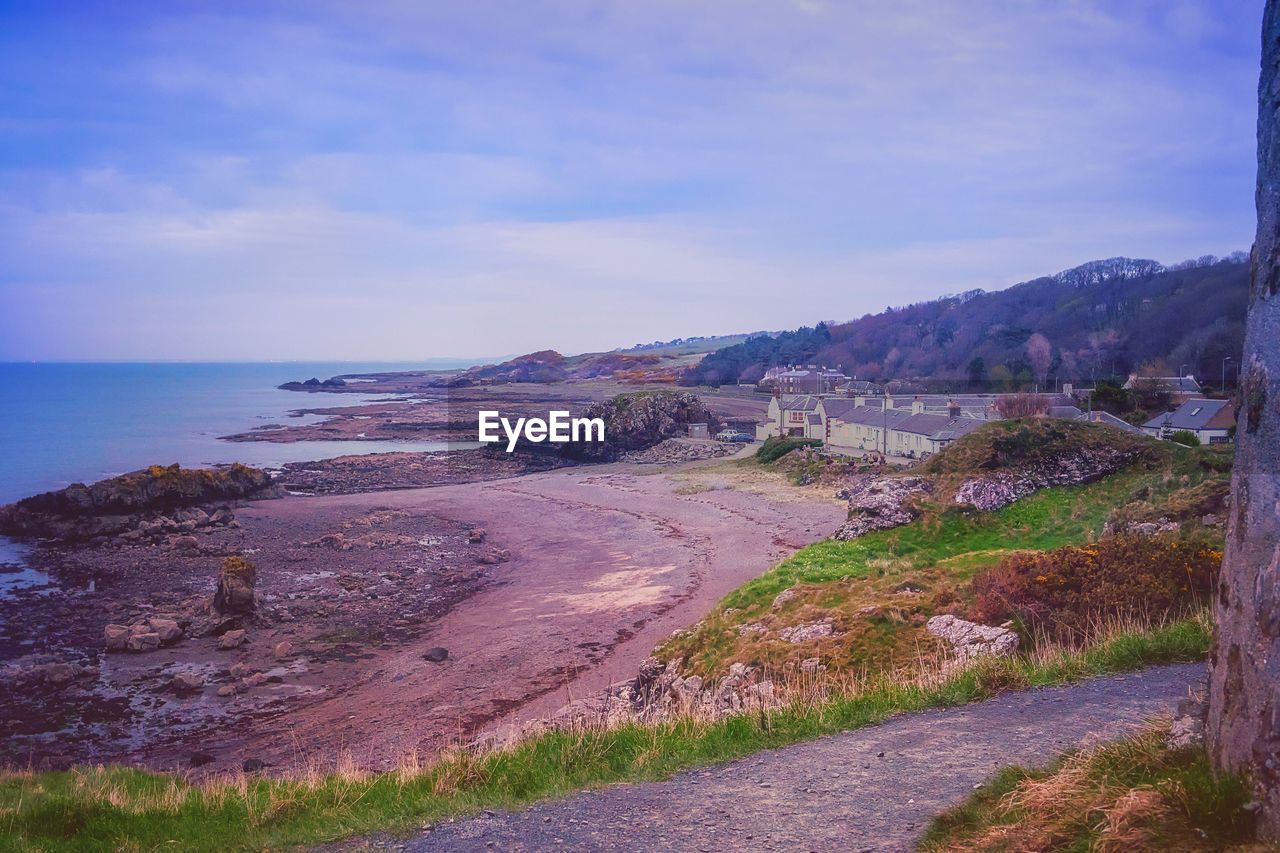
(1131,794)
(118,808)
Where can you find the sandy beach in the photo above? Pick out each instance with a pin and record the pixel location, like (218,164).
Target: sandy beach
(581,572)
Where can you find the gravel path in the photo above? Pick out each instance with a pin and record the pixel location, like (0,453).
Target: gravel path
(871,789)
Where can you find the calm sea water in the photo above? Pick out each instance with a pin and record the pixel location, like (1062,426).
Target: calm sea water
(65,423)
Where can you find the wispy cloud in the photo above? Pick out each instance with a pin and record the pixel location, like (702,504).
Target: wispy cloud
(412,180)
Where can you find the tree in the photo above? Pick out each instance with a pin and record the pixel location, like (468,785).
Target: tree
(1021,405)
(1040,354)
(1243,729)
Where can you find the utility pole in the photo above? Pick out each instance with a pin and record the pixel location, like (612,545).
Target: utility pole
(1224,374)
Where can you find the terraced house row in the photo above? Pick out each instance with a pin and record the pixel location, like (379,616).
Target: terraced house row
(919,426)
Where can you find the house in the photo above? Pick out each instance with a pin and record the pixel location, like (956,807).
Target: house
(1111,420)
(921,435)
(790,416)
(809,380)
(858,429)
(860,388)
(1211,420)
(1179,386)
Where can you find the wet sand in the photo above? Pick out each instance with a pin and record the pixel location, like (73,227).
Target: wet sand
(582,572)
(606,562)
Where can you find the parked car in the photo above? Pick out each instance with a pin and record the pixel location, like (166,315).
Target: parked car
(734,435)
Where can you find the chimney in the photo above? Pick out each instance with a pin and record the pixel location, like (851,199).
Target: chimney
(953,408)
(917,406)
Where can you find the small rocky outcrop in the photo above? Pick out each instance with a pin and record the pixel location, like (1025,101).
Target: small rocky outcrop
(879,503)
(1069,468)
(808,631)
(155,501)
(143,635)
(969,640)
(634,422)
(234,593)
(675,450)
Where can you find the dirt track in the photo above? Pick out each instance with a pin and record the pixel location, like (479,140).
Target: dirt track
(871,789)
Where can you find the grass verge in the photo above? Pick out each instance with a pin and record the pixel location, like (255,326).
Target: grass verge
(1133,794)
(125,809)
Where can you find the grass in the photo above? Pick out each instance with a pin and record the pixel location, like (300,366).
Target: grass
(1133,794)
(125,809)
(859,583)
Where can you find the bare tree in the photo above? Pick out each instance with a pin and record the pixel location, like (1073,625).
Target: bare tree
(1040,354)
(1243,729)
(1022,405)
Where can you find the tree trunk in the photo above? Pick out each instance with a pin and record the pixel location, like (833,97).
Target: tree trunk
(1244,687)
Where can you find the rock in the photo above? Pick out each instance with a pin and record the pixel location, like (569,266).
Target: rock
(812,665)
(256,680)
(186,682)
(783,597)
(879,503)
(168,629)
(1075,467)
(232,639)
(121,504)
(436,655)
(185,543)
(253,765)
(116,637)
(200,759)
(751,628)
(1187,729)
(637,422)
(808,631)
(221,516)
(969,639)
(240,669)
(145,641)
(228,690)
(284,649)
(234,592)
(476,535)
(61,674)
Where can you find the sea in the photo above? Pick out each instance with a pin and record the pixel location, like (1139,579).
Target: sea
(63,423)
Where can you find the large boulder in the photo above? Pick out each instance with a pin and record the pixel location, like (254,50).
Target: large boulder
(969,640)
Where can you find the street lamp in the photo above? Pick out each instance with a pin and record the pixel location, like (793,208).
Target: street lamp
(1182,370)
(1224,374)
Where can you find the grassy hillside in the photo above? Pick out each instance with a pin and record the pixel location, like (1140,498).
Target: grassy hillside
(881,588)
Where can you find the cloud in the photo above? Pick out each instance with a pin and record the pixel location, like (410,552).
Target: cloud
(413,180)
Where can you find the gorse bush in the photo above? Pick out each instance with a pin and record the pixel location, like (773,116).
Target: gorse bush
(1185,436)
(1061,592)
(775,447)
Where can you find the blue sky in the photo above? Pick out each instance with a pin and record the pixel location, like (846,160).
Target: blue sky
(415,179)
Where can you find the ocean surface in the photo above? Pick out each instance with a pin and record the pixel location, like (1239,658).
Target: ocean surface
(66,423)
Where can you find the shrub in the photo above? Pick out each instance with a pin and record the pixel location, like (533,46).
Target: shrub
(1185,436)
(1061,592)
(775,447)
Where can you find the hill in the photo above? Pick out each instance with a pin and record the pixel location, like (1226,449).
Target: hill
(1100,319)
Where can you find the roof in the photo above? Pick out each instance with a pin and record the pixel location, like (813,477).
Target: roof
(803,403)
(837,407)
(938,427)
(1196,415)
(1069,412)
(815,418)
(1178,384)
(1111,420)
(871,416)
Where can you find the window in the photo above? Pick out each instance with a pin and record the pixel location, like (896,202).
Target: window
(1196,411)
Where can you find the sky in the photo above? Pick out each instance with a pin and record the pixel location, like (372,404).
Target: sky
(471,178)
